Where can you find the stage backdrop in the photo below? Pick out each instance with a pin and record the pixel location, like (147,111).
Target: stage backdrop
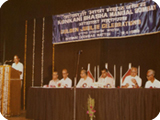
(120,20)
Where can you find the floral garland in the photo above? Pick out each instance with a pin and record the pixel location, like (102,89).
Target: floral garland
(1,85)
(6,92)
(91,110)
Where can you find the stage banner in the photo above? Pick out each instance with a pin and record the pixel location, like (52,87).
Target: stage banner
(115,21)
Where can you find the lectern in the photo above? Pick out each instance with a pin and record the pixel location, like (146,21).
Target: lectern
(10,91)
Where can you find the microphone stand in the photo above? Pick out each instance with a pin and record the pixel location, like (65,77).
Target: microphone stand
(75,81)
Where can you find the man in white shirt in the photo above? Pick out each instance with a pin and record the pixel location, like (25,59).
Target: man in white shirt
(152,81)
(55,80)
(132,81)
(65,81)
(107,81)
(18,66)
(85,81)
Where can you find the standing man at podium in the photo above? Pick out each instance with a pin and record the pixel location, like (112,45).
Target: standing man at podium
(18,66)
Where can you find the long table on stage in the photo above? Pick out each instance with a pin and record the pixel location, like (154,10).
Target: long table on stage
(110,104)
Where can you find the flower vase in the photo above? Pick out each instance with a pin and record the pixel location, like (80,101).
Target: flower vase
(91,118)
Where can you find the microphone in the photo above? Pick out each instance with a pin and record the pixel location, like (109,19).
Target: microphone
(7,61)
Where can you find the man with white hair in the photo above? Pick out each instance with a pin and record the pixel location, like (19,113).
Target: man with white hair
(152,81)
(85,81)
(132,81)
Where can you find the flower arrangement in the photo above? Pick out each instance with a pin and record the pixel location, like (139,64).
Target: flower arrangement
(91,109)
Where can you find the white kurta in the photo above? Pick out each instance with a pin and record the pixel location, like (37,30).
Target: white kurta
(53,83)
(128,80)
(18,67)
(155,84)
(67,82)
(107,81)
(85,83)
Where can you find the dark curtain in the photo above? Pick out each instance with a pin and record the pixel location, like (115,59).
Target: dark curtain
(50,104)
(47,75)
(110,104)
(119,104)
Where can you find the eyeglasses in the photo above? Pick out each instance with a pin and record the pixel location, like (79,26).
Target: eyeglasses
(148,75)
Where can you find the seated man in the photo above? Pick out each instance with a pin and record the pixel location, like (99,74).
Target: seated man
(65,81)
(85,81)
(55,80)
(132,81)
(152,81)
(107,81)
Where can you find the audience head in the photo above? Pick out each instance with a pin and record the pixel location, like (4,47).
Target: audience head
(83,73)
(64,73)
(104,72)
(150,75)
(134,71)
(55,75)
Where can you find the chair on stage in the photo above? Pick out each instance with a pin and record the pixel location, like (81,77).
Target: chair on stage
(122,78)
(109,74)
(89,73)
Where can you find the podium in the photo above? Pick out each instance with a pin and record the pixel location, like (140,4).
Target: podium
(10,91)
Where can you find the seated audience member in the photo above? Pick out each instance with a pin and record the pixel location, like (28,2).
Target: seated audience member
(152,81)
(65,81)
(107,81)
(55,80)
(85,81)
(132,81)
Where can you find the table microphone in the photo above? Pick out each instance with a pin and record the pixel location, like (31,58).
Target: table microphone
(75,82)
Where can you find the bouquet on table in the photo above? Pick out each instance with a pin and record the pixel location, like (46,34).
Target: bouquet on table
(91,110)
